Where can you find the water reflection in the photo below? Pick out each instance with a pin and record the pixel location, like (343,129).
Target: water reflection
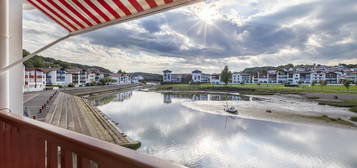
(196,139)
(203,97)
(117,97)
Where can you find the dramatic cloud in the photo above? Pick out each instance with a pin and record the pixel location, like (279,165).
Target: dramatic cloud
(212,34)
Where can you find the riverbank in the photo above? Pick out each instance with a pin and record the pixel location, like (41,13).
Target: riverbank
(337,96)
(347,102)
(97,90)
(263,89)
(279,108)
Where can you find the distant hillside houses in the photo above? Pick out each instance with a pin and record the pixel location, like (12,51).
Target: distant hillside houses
(300,75)
(196,76)
(36,79)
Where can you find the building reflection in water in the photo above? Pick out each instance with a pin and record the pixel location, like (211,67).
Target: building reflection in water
(202,97)
(117,97)
(123,96)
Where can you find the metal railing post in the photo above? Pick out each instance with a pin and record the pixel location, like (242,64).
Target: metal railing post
(12,81)
(4,36)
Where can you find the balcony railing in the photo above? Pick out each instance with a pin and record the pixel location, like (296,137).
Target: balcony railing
(28,143)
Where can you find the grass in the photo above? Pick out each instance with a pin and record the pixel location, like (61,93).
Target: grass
(353,118)
(269,89)
(337,120)
(354,109)
(264,88)
(352,103)
(345,103)
(312,97)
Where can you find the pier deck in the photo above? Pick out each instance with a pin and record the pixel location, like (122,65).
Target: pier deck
(73,113)
(76,114)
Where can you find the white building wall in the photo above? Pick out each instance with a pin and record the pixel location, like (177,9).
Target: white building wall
(91,77)
(32,84)
(236,78)
(68,79)
(196,77)
(167,77)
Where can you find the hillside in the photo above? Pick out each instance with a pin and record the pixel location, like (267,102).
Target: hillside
(45,62)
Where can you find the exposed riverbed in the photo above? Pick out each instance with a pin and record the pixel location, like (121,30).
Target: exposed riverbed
(193,130)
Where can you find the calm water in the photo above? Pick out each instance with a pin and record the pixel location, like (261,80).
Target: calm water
(171,131)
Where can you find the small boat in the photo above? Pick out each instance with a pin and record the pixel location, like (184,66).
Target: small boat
(230,109)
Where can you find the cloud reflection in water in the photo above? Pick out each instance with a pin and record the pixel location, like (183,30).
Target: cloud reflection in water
(173,132)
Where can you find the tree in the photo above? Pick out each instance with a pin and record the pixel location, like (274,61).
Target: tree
(226,75)
(120,71)
(106,81)
(25,53)
(323,83)
(346,83)
(71,85)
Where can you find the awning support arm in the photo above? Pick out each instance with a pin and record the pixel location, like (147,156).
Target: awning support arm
(4,69)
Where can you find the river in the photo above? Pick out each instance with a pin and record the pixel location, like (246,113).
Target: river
(172,131)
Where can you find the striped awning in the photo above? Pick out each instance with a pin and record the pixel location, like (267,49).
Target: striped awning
(82,15)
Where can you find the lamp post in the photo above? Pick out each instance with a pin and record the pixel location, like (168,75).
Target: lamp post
(11,81)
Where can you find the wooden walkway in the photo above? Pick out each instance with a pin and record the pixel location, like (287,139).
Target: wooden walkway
(74,113)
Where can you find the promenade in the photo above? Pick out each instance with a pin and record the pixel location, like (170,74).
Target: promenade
(76,114)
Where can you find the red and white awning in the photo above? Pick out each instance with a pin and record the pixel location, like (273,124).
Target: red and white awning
(79,16)
(82,15)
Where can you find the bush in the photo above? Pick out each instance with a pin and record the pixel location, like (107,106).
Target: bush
(93,83)
(354,109)
(313,83)
(71,85)
(353,118)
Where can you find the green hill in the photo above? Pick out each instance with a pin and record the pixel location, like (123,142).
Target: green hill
(45,62)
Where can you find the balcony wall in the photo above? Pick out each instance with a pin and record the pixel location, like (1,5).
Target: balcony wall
(33,144)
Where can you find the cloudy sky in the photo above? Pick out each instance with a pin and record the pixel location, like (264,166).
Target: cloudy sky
(209,35)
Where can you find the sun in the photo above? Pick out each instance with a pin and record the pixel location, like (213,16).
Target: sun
(206,13)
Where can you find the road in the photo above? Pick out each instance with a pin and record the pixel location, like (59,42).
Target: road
(34,101)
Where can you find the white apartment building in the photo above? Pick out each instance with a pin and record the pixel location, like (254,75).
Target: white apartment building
(73,76)
(215,79)
(241,78)
(260,77)
(236,78)
(168,77)
(56,77)
(83,77)
(136,79)
(121,79)
(91,77)
(352,76)
(199,77)
(35,80)
(99,76)
(318,76)
(196,76)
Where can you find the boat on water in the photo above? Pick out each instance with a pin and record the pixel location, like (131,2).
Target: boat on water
(230,109)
